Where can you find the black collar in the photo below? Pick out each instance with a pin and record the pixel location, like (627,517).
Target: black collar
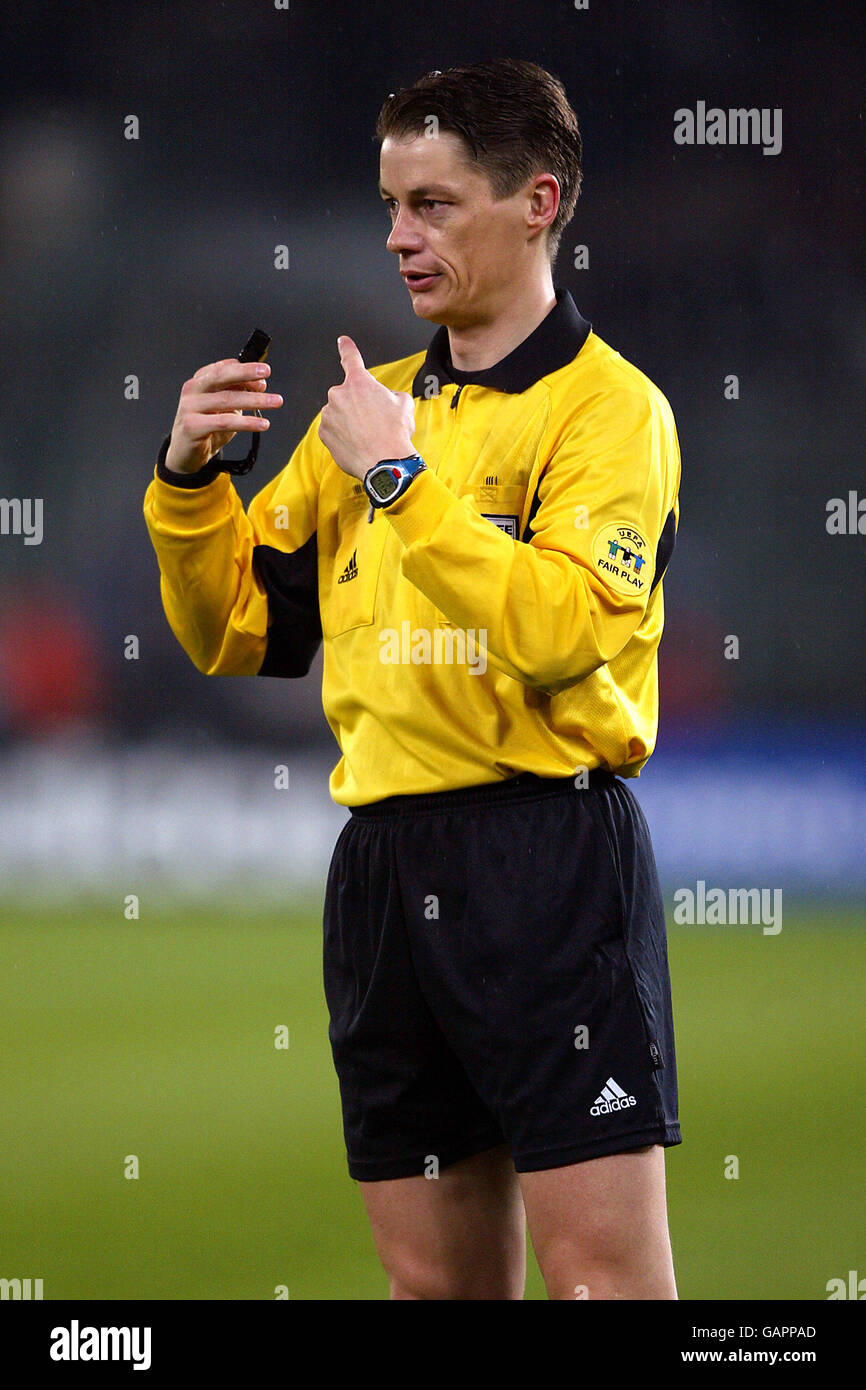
(553,344)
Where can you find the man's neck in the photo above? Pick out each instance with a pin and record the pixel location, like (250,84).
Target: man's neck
(476,347)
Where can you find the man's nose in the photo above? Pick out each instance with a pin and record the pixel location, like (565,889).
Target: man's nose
(405,234)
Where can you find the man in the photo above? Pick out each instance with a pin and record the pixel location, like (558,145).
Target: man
(491,606)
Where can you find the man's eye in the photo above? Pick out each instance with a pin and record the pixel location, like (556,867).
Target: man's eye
(426,203)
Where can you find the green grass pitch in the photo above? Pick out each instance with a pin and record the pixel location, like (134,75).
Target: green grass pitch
(155,1038)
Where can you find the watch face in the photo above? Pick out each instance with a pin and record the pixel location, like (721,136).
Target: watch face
(384,484)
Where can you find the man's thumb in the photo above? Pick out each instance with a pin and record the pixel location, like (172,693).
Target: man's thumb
(350,357)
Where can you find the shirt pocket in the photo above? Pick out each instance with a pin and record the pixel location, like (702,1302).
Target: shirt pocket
(357,563)
(503,505)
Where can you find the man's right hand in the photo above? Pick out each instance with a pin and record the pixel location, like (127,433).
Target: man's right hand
(209,411)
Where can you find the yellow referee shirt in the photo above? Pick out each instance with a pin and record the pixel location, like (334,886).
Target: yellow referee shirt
(503,616)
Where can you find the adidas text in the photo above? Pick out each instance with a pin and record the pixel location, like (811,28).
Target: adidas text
(612,1098)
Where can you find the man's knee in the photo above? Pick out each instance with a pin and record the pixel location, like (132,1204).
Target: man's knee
(605,1262)
(600,1227)
(412,1277)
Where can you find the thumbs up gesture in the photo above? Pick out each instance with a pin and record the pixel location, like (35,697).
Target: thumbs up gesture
(363,421)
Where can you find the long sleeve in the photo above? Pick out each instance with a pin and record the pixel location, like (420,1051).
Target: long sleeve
(239,588)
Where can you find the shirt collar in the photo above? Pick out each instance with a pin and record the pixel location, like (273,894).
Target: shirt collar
(553,344)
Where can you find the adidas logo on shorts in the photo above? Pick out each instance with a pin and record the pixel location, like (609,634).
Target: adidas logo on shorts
(612,1097)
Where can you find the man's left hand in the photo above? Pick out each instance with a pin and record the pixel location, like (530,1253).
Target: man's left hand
(363,421)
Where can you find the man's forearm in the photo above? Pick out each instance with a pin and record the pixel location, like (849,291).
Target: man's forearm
(545,624)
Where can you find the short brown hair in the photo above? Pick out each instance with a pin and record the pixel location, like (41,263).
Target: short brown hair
(514,119)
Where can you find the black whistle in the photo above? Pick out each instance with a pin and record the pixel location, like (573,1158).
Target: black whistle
(255,349)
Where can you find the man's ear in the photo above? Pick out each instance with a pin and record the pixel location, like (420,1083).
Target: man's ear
(544,199)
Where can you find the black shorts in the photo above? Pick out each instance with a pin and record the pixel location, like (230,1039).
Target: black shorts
(495,965)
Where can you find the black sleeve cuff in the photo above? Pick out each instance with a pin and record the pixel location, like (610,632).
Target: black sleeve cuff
(204,475)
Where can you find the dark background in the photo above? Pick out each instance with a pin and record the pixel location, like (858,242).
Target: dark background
(153,256)
(151,1033)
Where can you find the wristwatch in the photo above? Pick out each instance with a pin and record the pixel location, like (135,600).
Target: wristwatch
(389,478)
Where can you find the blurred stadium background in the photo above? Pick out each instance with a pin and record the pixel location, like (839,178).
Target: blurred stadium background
(154,1035)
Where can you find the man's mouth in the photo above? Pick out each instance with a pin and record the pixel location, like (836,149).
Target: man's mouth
(420,280)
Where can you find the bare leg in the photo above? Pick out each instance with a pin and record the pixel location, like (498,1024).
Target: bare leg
(459,1236)
(599,1228)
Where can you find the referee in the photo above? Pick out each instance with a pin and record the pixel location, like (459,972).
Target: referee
(477,535)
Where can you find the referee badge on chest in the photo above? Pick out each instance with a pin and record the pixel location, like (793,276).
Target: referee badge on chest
(622,557)
(508,524)
(500,503)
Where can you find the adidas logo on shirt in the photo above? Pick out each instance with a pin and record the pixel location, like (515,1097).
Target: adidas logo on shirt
(351,570)
(612,1097)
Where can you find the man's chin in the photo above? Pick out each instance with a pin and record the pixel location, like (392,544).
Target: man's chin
(448,308)
(429,303)
(433,308)
(429,314)
(423,308)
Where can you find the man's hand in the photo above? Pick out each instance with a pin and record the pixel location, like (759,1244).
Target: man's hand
(363,421)
(209,411)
